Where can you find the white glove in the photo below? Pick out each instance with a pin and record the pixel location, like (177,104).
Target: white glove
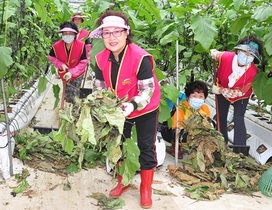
(67,76)
(215,89)
(127,108)
(214,53)
(64,67)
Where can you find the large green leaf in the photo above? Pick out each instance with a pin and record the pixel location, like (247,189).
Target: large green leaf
(163,28)
(5,60)
(39,6)
(239,24)
(56,91)
(138,23)
(268,41)
(169,38)
(267,92)
(42,84)
(258,85)
(131,161)
(237,4)
(262,12)
(204,30)
(151,8)
(170,92)
(97,46)
(164,113)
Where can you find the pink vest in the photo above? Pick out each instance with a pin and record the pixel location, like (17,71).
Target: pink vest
(83,35)
(127,81)
(73,59)
(225,69)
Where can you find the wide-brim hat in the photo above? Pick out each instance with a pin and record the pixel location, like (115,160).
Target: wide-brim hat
(109,21)
(251,48)
(67,29)
(77,16)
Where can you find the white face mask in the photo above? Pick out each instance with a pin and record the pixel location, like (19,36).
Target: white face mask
(244,59)
(68,38)
(196,103)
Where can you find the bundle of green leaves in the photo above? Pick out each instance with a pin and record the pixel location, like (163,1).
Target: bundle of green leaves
(97,122)
(210,168)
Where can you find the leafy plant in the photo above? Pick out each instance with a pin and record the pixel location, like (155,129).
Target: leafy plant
(159,26)
(27,32)
(97,122)
(211,168)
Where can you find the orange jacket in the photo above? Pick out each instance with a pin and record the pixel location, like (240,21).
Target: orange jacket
(185,111)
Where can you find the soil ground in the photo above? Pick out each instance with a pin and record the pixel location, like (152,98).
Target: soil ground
(47,190)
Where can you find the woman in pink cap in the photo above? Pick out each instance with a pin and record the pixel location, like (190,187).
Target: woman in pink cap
(236,72)
(128,71)
(68,55)
(83,34)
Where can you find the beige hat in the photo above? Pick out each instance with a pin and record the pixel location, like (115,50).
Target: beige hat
(109,21)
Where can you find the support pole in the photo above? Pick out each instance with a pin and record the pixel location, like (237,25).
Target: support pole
(7,128)
(177,86)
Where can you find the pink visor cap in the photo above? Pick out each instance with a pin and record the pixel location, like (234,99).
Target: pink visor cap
(109,21)
(77,16)
(67,29)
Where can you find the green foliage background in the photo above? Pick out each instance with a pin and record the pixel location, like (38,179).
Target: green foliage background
(28,30)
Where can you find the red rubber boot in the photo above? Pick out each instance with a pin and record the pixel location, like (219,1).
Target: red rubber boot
(145,188)
(119,189)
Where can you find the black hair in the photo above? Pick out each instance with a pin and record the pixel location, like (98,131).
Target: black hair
(69,24)
(119,14)
(196,86)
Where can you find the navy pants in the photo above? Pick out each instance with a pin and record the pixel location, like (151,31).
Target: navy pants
(238,119)
(73,90)
(146,128)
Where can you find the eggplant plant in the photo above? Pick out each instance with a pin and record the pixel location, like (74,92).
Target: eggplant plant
(28,30)
(197,27)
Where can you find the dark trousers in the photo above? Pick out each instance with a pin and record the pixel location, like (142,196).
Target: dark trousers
(146,129)
(238,119)
(73,90)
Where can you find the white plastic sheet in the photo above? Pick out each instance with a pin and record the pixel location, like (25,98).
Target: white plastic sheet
(4,156)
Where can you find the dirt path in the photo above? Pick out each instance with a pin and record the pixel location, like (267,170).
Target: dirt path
(46,192)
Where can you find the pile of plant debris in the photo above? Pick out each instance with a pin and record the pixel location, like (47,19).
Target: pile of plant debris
(90,131)
(211,168)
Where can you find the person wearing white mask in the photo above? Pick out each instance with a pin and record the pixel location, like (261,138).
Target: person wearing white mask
(68,55)
(196,93)
(236,72)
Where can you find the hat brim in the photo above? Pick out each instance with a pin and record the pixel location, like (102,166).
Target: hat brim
(96,33)
(77,16)
(250,50)
(67,30)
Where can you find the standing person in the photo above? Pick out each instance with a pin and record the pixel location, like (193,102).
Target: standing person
(235,74)
(83,34)
(128,70)
(68,55)
(196,93)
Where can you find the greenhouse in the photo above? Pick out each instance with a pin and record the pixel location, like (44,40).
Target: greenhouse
(76,74)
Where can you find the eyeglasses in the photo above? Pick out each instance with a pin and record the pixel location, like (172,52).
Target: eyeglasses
(106,35)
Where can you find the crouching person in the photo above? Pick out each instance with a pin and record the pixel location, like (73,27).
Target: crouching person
(196,93)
